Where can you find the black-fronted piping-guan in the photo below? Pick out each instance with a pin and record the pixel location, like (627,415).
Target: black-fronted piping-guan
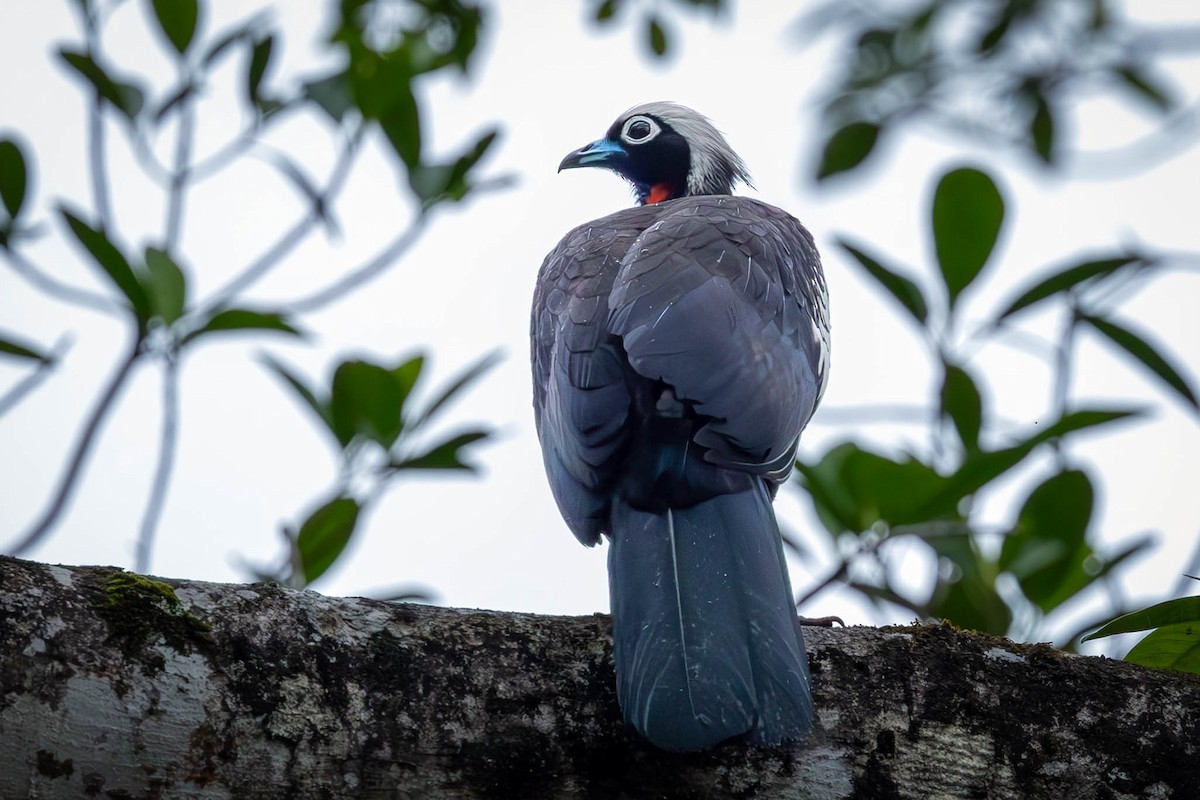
(679,348)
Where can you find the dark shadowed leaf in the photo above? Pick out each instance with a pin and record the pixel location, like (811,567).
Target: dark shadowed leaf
(967,214)
(904,290)
(445,455)
(1172,612)
(605,10)
(114,264)
(1065,280)
(331,94)
(177,19)
(962,403)
(1145,353)
(245,319)
(847,148)
(260,59)
(834,504)
(166,285)
(401,123)
(367,400)
(324,535)
(1170,647)
(126,97)
(969,599)
(11,347)
(306,394)
(449,182)
(13,177)
(656,37)
(1146,88)
(1047,548)
(1041,129)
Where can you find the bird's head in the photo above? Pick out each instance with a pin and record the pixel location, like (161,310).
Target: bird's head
(666,151)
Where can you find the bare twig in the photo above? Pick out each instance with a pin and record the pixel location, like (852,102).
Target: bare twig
(34,379)
(180,174)
(166,463)
(97,170)
(42,281)
(79,454)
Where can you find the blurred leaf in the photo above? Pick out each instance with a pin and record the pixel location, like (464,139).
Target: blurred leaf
(13,177)
(967,214)
(962,403)
(605,10)
(324,536)
(1065,280)
(1170,647)
(834,504)
(847,148)
(12,348)
(456,386)
(166,285)
(969,599)
(401,123)
(1048,542)
(1041,129)
(331,94)
(367,400)
(173,102)
(1146,88)
(1172,612)
(903,289)
(126,97)
(260,59)
(656,37)
(244,319)
(306,394)
(449,182)
(1145,353)
(445,455)
(113,262)
(177,18)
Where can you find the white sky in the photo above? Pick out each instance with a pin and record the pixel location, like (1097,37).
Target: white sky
(250,458)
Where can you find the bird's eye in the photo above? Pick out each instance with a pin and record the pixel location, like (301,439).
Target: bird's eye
(639,129)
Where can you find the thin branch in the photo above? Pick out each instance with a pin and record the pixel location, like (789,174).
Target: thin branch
(166,463)
(881,413)
(291,238)
(99,175)
(1193,566)
(180,175)
(80,453)
(42,281)
(367,272)
(1062,376)
(34,379)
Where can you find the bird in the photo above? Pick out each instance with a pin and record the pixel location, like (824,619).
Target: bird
(679,348)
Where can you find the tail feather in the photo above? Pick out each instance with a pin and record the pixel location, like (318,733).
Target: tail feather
(704,630)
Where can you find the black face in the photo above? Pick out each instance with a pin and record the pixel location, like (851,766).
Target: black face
(658,157)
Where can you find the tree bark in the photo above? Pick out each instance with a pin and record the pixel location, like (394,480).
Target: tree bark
(115,685)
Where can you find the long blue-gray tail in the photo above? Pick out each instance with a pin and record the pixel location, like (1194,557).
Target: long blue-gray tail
(705,635)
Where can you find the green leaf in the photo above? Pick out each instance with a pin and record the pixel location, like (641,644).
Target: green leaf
(455,387)
(1048,543)
(13,177)
(367,400)
(331,94)
(1066,280)
(244,319)
(449,182)
(1145,353)
(125,97)
(401,124)
(656,36)
(1172,612)
(835,507)
(13,348)
(1170,647)
(445,455)
(114,264)
(166,285)
(260,58)
(324,536)
(321,409)
(902,289)
(1041,129)
(969,599)
(847,148)
(967,214)
(605,10)
(177,19)
(1146,88)
(962,403)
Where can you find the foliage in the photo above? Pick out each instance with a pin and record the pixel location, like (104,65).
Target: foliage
(1174,638)
(371,95)
(921,65)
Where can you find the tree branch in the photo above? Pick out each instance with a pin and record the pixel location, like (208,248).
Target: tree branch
(118,685)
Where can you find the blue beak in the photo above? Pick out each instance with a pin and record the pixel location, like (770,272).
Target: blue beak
(600,153)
